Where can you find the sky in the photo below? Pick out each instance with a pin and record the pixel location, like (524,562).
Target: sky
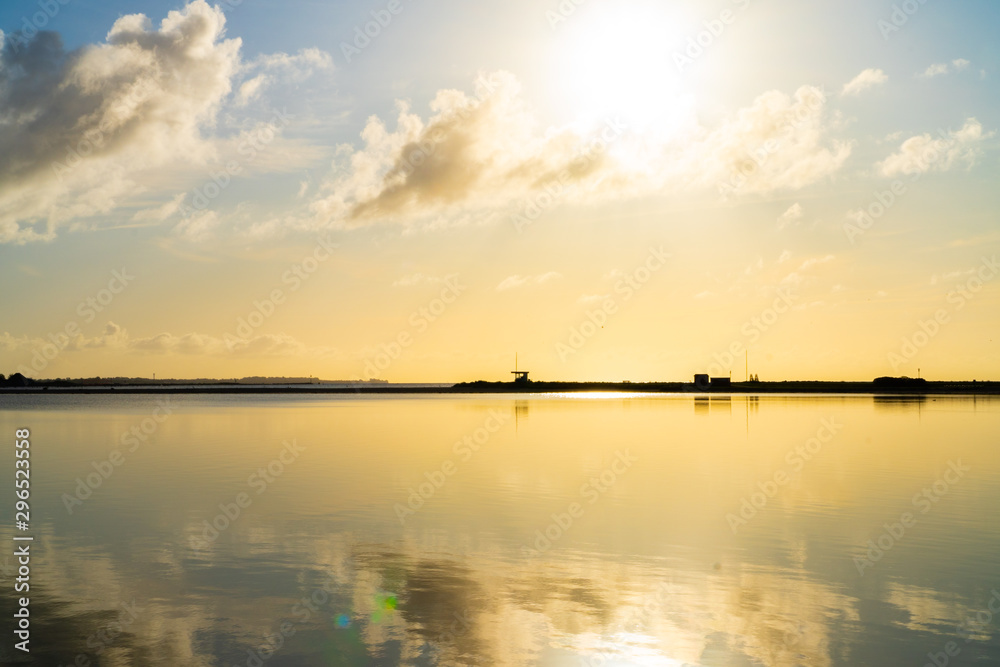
(418,191)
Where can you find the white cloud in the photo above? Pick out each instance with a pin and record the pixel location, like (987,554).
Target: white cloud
(816,261)
(115,338)
(515,281)
(938,69)
(85,133)
(797,278)
(78,125)
(160,213)
(790,217)
(923,153)
(862,82)
(590,299)
(482,153)
(280,67)
(778,143)
(416,279)
(935,70)
(199,227)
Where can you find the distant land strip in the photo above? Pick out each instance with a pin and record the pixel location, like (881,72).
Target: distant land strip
(901,386)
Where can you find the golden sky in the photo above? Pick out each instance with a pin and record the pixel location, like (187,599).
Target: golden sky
(416,192)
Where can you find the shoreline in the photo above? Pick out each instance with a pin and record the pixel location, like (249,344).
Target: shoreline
(536,387)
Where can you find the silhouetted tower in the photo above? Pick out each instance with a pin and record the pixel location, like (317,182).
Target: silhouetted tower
(520,377)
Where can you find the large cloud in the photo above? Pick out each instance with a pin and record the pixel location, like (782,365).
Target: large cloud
(82,133)
(74,125)
(479,151)
(488,151)
(780,142)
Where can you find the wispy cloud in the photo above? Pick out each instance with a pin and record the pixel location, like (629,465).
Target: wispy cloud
(939,69)
(862,82)
(790,217)
(416,279)
(516,281)
(924,153)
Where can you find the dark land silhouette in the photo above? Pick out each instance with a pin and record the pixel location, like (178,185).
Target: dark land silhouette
(17,383)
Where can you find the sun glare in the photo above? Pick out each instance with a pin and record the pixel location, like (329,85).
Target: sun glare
(616,60)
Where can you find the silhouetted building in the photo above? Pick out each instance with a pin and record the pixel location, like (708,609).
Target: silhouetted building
(723,384)
(701,381)
(520,377)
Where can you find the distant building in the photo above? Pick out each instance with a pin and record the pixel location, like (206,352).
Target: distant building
(721,384)
(701,381)
(520,377)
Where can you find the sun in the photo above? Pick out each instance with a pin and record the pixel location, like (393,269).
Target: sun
(615,59)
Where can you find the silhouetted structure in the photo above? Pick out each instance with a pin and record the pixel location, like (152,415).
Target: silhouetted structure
(520,377)
(899,383)
(721,384)
(701,381)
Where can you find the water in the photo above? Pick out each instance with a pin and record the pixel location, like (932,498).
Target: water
(560,531)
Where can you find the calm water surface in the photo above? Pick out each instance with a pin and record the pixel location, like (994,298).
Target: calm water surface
(560,531)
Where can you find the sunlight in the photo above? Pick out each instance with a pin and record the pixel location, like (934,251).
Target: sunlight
(615,60)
